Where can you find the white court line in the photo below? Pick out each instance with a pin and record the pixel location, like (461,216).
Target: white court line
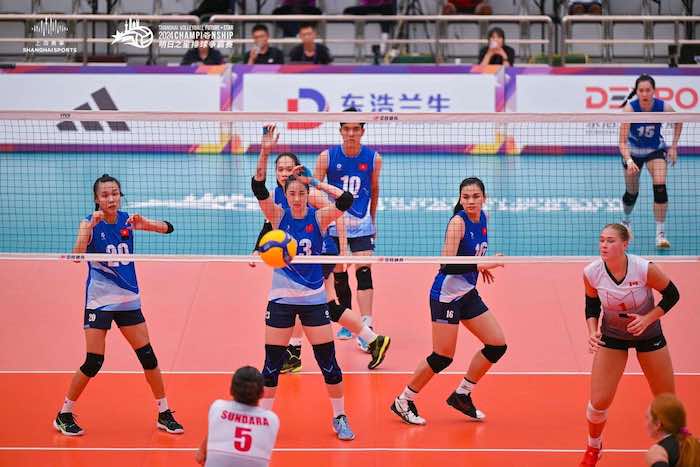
(464,450)
(306,373)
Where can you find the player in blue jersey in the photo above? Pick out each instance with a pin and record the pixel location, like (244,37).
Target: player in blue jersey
(285,164)
(354,167)
(453,300)
(298,289)
(642,143)
(112,294)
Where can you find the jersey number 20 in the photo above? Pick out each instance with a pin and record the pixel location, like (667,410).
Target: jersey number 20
(121,249)
(242,440)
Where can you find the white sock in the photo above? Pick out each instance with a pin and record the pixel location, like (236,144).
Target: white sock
(367,334)
(266,403)
(408,394)
(338,406)
(660,227)
(295,341)
(367,321)
(67,406)
(465,387)
(595,442)
(162,404)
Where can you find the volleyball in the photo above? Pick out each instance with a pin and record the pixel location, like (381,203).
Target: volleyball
(277,248)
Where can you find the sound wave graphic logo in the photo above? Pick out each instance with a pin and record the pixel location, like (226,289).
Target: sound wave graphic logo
(134,34)
(50,27)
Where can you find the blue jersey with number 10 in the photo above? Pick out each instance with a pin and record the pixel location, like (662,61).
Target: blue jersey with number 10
(449,287)
(112,285)
(353,174)
(645,138)
(300,284)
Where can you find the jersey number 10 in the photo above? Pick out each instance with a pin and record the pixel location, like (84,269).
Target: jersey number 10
(351,184)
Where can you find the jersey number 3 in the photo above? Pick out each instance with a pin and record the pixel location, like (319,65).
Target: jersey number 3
(242,440)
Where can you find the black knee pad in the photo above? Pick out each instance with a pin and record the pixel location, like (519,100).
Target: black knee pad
(493,353)
(629,199)
(327,270)
(92,365)
(342,289)
(325,357)
(147,357)
(438,362)
(364,278)
(274,358)
(660,194)
(335,310)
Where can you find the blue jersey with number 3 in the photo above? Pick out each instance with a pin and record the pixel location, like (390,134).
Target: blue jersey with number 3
(112,285)
(353,174)
(645,138)
(300,284)
(449,287)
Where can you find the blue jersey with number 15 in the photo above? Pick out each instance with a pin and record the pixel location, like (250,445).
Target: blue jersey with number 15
(112,285)
(645,138)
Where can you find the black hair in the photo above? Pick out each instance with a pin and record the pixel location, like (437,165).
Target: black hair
(105,178)
(466,182)
(291,179)
(247,385)
(352,109)
(291,155)
(498,31)
(640,79)
(307,25)
(260,27)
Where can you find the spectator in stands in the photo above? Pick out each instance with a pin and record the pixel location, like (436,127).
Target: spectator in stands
(375,7)
(585,7)
(309,51)
(295,7)
(262,53)
(497,52)
(467,7)
(202,54)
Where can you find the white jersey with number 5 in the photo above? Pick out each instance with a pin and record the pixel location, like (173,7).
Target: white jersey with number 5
(240,435)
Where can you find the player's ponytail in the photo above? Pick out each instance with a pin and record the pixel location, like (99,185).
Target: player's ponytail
(247,385)
(668,412)
(466,182)
(105,178)
(633,92)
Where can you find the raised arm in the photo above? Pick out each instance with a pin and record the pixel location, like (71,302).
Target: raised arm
(84,236)
(139,222)
(343,199)
(270,210)
(321,168)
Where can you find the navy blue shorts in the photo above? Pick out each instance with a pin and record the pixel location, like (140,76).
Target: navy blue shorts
(100,319)
(356,244)
(645,345)
(327,270)
(639,161)
(469,306)
(282,315)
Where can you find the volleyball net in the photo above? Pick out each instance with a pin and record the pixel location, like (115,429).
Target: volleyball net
(552,180)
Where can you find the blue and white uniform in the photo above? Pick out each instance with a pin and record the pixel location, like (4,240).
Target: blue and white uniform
(353,174)
(112,291)
(453,297)
(646,138)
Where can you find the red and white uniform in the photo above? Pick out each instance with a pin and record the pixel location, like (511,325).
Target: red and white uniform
(240,435)
(632,295)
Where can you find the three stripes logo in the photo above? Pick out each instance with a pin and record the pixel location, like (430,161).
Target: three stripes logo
(104,102)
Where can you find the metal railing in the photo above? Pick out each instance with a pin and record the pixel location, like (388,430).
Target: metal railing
(438,42)
(608,41)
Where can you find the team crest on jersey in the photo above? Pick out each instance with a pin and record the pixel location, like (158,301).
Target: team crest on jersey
(633,283)
(102,236)
(124,233)
(362,166)
(483,231)
(309,228)
(339,166)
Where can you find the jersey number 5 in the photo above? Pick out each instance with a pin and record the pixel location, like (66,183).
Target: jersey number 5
(242,439)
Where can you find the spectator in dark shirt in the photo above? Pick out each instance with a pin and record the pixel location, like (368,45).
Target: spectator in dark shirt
(262,53)
(295,7)
(374,7)
(497,52)
(202,54)
(309,51)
